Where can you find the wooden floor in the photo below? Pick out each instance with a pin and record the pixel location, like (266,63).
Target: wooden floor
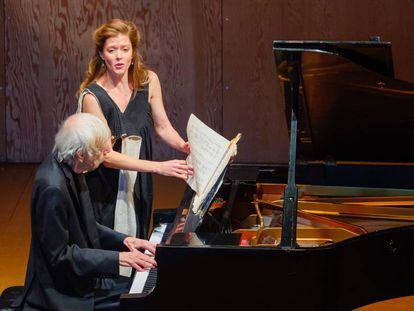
(16,182)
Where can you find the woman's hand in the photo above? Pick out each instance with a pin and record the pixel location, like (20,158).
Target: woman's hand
(174,168)
(185,147)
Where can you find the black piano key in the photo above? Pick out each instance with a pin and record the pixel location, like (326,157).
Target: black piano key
(151,281)
(152,275)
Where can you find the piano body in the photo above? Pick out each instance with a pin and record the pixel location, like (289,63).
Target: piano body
(333,230)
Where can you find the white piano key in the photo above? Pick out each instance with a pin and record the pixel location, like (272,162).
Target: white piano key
(141,276)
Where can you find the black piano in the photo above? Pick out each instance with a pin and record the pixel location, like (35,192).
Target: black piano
(333,229)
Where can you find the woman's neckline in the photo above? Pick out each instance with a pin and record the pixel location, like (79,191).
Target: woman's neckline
(112,99)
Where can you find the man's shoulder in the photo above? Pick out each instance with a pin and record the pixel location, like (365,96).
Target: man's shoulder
(50,173)
(50,164)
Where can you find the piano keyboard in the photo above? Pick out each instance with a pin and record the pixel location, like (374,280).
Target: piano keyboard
(145,281)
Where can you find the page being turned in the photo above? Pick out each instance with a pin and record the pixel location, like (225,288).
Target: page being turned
(207,151)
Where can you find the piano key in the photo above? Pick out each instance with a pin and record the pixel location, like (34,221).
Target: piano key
(151,281)
(144,281)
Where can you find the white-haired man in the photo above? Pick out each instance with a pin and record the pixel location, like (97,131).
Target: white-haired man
(72,258)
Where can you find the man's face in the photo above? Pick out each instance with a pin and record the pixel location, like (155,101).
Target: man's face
(92,162)
(88,163)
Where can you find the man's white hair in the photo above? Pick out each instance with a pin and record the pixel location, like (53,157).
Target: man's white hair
(81,131)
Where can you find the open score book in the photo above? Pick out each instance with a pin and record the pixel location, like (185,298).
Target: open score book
(209,155)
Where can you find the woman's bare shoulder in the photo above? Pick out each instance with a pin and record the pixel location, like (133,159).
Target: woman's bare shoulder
(89,99)
(152,76)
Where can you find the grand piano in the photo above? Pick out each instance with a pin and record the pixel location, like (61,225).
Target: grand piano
(333,229)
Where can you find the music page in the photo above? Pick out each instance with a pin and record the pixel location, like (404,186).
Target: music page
(210,154)
(207,150)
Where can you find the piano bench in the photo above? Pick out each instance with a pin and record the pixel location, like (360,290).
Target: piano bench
(9,296)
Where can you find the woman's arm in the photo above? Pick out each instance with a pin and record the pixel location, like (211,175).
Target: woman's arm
(162,125)
(91,105)
(174,168)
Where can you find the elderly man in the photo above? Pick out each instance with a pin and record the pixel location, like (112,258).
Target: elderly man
(72,258)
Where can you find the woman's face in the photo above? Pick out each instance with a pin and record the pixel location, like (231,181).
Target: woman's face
(117,54)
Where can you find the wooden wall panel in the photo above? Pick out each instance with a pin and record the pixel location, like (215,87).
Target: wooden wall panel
(23,107)
(249,79)
(182,43)
(48,46)
(2,87)
(213,57)
(251,102)
(42,69)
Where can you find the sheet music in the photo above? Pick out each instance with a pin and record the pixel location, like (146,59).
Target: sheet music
(141,276)
(210,154)
(207,150)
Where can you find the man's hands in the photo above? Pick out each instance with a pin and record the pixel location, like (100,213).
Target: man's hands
(136,259)
(138,244)
(174,168)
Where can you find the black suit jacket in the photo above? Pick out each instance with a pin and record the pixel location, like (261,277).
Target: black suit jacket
(69,250)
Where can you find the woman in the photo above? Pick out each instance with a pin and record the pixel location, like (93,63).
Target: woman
(120,90)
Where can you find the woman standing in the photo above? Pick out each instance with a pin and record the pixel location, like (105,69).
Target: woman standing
(120,90)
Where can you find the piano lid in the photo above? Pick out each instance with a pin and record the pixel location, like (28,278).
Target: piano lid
(351,108)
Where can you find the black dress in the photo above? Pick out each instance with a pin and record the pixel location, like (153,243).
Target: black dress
(103,182)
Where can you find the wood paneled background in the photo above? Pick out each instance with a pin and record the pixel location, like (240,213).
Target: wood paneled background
(214,58)
(2,87)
